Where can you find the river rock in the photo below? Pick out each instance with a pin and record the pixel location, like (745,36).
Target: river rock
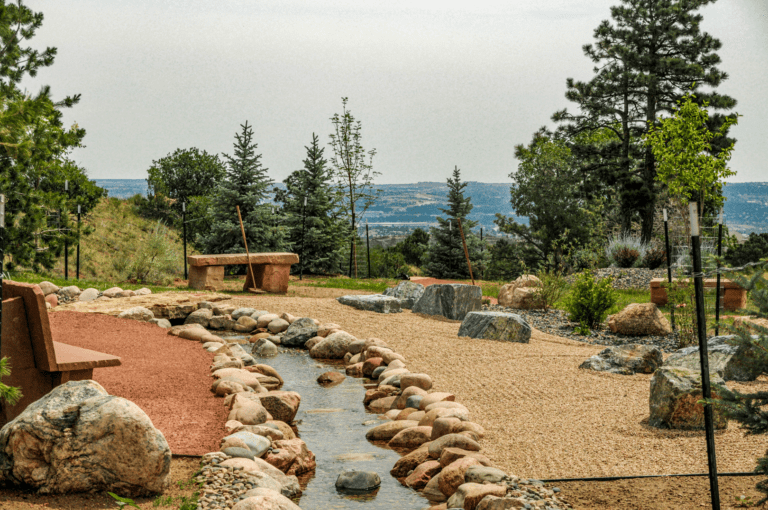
(282,405)
(443,412)
(87,436)
(626,359)
(142,292)
(407,292)
(264,348)
(162,323)
(137,313)
(331,378)
(245,324)
(221,322)
(247,411)
(70,292)
(506,327)
(468,495)
(423,473)
(432,492)
(373,303)
(277,326)
(48,288)
(411,391)
(263,498)
(370,365)
(291,456)
(223,309)
(381,405)
(299,332)
(361,481)
(421,381)
(485,474)
(241,312)
(326,329)
(452,475)
(445,425)
(386,431)
(411,438)
(355,370)
(201,316)
(452,441)
(450,455)
(334,346)
(675,393)
(264,320)
(732,362)
(435,397)
(408,463)
(640,319)
(289,483)
(451,300)
(89,294)
(257,444)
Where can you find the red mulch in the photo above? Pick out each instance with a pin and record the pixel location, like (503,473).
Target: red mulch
(166,376)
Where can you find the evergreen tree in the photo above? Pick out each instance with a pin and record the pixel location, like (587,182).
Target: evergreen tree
(316,231)
(651,54)
(445,255)
(246,184)
(34,145)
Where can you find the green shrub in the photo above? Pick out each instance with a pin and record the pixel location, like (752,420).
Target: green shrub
(155,260)
(590,300)
(681,296)
(552,289)
(753,249)
(654,258)
(623,248)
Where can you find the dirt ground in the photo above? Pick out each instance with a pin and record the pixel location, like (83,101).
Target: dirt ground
(545,418)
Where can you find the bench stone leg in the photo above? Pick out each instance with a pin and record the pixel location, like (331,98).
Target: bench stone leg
(269,277)
(206,277)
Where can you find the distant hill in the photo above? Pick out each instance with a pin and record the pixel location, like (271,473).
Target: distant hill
(403,207)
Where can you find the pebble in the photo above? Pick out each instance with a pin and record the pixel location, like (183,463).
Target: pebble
(221,487)
(625,279)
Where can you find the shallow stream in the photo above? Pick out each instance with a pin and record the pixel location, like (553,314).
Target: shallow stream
(330,420)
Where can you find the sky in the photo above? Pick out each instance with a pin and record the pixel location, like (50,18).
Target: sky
(435,83)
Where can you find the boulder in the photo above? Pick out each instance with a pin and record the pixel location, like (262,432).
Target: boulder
(451,300)
(247,411)
(468,495)
(386,431)
(241,312)
(408,463)
(201,316)
(373,303)
(291,456)
(142,292)
(48,288)
(91,442)
(640,319)
(407,292)
(526,298)
(264,348)
(450,455)
(221,322)
(411,438)
(264,320)
(112,292)
(421,381)
(263,498)
(89,294)
(299,332)
(506,327)
(437,446)
(282,405)
(506,292)
(358,481)
(277,326)
(423,473)
(485,474)
(257,444)
(731,361)
(334,346)
(675,393)
(245,324)
(137,313)
(452,475)
(70,292)
(626,359)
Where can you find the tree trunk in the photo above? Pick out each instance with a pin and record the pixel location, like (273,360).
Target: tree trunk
(649,173)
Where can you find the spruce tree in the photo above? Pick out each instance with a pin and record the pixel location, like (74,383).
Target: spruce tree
(316,231)
(445,256)
(246,184)
(646,60)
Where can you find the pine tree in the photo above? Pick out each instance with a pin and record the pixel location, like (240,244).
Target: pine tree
(652,54)
(316,231)
(445,256)
(246,184)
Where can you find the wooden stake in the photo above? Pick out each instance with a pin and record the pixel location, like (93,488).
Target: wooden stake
(466,252)
(250,266)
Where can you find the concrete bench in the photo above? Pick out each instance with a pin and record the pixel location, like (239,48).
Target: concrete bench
(734,297)
(38,364)
(206,272)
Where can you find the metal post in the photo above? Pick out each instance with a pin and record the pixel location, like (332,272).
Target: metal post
(2,257)
(184,230)
(669,266)
(303,227)
(368,249)
(701,327)
(78,242)
(719,254)
(66,242)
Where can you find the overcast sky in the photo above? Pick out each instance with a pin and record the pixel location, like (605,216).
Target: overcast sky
(434,83)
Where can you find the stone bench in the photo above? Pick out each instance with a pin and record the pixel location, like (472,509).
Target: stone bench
(38,364)
(206,272)
(734,297)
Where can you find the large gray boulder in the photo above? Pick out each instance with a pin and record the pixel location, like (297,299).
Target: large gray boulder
(451,300)
(506,327)
(675,396)
(201,316)
(731,362)
(373,303)
(78,438)
(359,481)
(407,292)
(334,346)
(626,360)
(299,332)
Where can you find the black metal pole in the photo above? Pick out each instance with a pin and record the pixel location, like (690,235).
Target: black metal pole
(78,242)
(66,241)
(701,327)
(2,258)
(669,267)
(717,289)
(184,230)
(368,250)
(303,227)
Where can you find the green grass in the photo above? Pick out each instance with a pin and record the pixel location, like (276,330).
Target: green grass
(27,277)
(376,285)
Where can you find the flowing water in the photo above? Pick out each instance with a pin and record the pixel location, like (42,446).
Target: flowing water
(330,420)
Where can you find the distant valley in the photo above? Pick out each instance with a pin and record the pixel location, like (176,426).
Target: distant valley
(403,207)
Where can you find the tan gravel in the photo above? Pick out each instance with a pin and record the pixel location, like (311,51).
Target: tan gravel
(543,416)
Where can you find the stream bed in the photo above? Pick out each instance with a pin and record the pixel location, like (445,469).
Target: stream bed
(330,420)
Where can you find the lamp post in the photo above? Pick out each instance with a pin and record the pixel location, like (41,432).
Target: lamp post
(184,230)
(701,327)
(719,254)
(78,242)
(66,241)
(303,226)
